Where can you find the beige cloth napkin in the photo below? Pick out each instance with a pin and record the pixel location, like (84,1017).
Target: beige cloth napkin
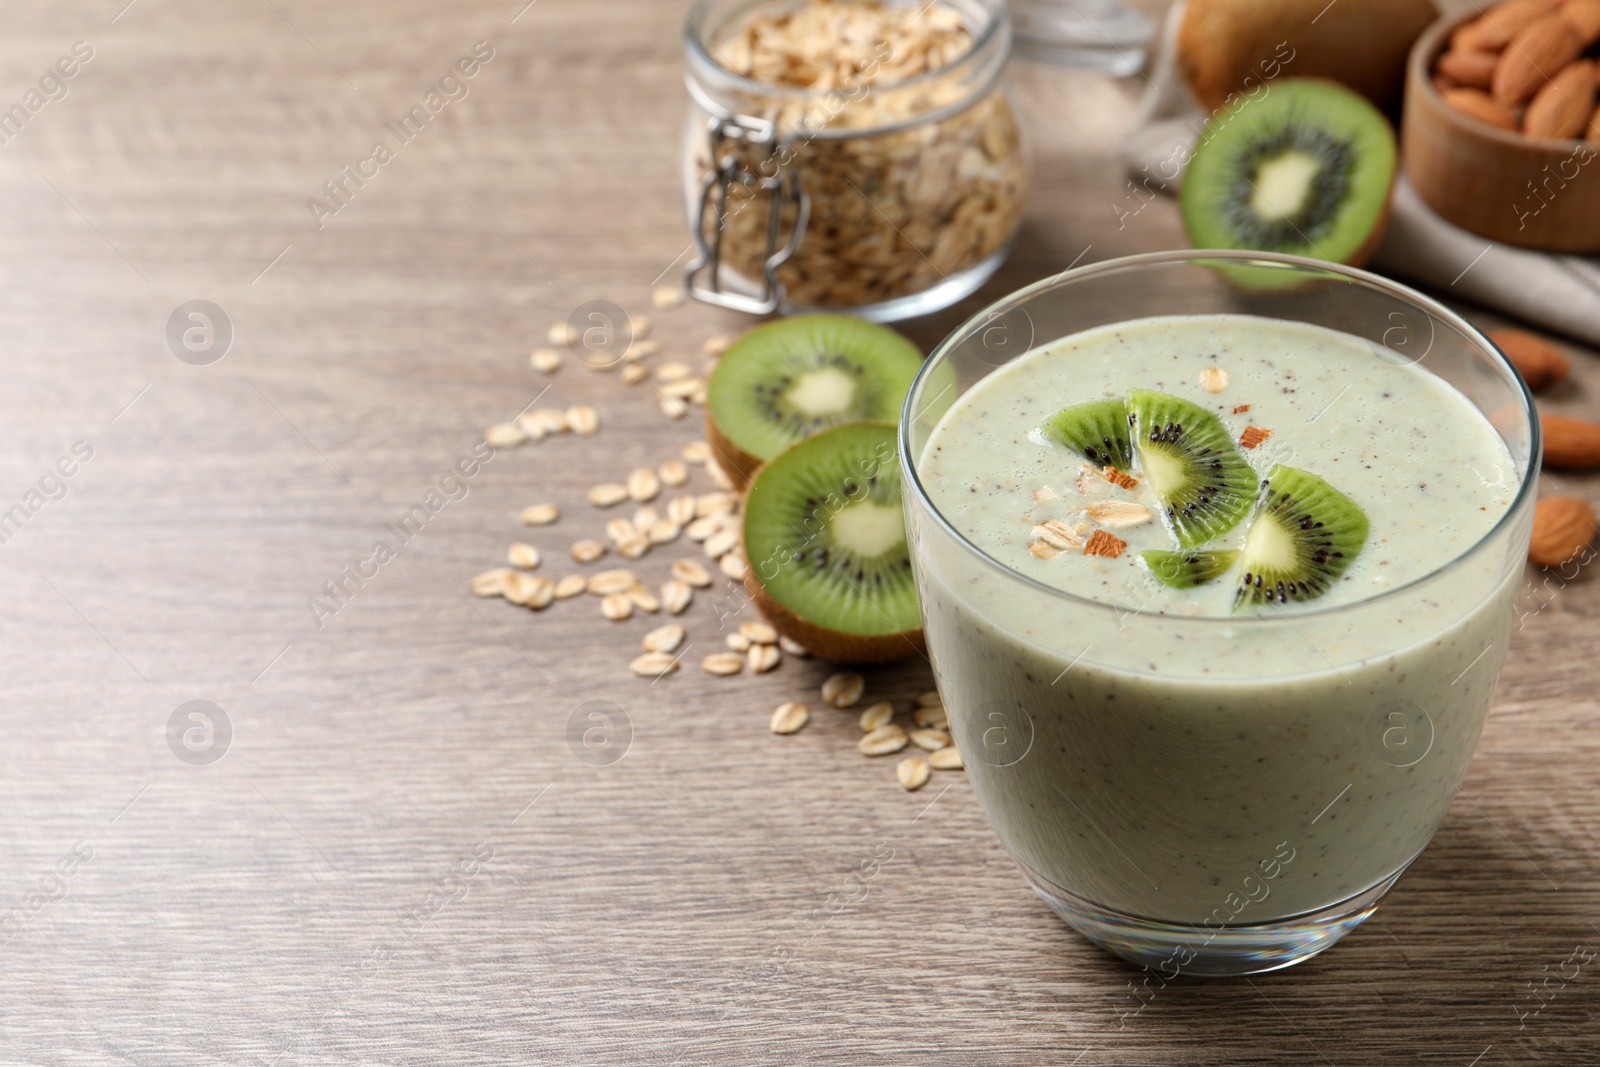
(1557,292)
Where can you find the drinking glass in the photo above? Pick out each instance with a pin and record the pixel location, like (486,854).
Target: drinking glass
(1244,817)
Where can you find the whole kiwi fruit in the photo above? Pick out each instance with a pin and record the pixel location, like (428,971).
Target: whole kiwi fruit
(1230,47)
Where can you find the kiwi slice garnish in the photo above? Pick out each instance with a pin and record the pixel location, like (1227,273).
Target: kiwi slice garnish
(791,378)
(1185,570)
(1306,168)
(825,539)
(1304,536)
(1097,430)
(1201,479)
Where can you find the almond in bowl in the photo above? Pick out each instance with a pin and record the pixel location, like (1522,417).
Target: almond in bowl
(1502,122)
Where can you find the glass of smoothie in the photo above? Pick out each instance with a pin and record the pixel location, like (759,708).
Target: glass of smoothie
(1217,555)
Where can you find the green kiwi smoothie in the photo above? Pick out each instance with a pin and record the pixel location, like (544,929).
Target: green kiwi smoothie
(1214,754)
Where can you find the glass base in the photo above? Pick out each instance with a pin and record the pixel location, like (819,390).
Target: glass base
(1213,952)
(951,288)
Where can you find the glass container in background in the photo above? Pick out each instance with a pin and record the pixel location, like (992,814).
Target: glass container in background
(1105,35)
(883,199)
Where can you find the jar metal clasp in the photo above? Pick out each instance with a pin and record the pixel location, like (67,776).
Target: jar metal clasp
(772,173)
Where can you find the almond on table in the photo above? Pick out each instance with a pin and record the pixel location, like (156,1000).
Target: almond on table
(1563,530)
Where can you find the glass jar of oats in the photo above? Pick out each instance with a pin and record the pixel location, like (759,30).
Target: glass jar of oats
(855,155)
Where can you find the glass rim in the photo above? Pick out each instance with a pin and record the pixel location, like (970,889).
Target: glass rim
(1014,300)
(696,46)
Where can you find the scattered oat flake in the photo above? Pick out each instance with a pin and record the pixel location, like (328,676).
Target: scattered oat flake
(791,647)
(571,586)
(721,543)
(644,599)
(691,573)
(664,638)
(1253,436)
(529,591)
(643,484)
(607,494)
(1041,550)
(540,515)
(587,551)
(673,473)
(667,296)
(1054,534)
(696,452)
(912,772)
(633,374)
(680,509)
(716,345)
(763,658)
(550,420)
(616,607)
(505,435)
(1240,409)
(884,741)
(1117,513)
(789,718)
(1091,482)
(720,503)
(532,428)
(620,529)
(673,408)
(737,641)
(1213,379)
(876,715)
(946,759)
(930,738)
(676,597)
(523,555)
(1104,544)
(842,690)
(932,717)
(562,333)
(723,663)
(545,360)
(653,665)
(703,528)
(490,583)
(672,371)
(663,532)
(733,566)
(930,698)
(759,632)
(1118,478)
(640,325)
(634,547)
(583,419)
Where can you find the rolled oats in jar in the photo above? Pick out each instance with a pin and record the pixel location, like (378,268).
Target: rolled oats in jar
(856,155)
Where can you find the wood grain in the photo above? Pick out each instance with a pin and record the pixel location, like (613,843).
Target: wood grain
(308,899)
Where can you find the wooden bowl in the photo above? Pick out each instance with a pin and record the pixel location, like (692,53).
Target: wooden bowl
(1506,186)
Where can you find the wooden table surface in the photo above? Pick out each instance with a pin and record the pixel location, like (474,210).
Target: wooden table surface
(400,858)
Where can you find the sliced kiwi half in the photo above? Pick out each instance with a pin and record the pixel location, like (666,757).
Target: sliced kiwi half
(1096,430)
(1185,570)
(825,539)
(1305,534)
(1306,168)
(1188,458)
(791,378)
